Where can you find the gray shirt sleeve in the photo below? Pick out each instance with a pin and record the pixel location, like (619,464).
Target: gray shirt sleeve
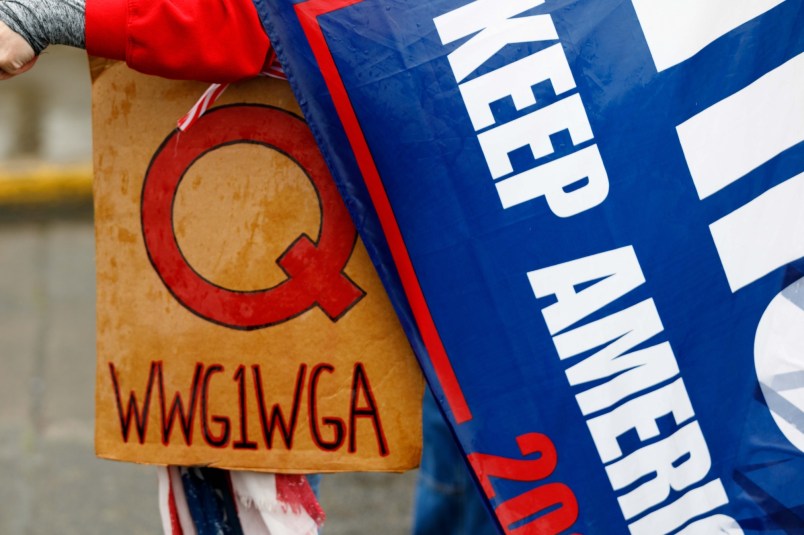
(46,22)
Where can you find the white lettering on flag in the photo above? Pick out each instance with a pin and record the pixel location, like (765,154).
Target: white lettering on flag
(763,235)
(516,80)
(615,273)
(671,464)
(622,370)
(497,27)
(553,181)
(534,131)
(694,503)
(639,414)
(676,30)
(570,184)
(738,134)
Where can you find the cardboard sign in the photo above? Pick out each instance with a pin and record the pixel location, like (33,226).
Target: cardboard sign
(240,322)
(595,209)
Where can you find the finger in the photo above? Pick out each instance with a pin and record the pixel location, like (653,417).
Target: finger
(12,70)
(26,67)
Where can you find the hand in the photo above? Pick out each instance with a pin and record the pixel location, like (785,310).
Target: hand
(16,55)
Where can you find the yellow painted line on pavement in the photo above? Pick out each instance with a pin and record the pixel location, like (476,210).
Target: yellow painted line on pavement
(45,184)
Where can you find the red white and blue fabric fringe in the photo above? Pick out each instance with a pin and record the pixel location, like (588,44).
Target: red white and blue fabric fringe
(208,501)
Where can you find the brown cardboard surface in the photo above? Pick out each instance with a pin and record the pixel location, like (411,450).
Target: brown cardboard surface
(239,361)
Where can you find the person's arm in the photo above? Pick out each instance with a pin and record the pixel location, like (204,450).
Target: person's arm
(208,40)
(27,27)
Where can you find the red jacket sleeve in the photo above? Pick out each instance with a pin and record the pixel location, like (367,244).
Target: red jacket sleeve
(205,40)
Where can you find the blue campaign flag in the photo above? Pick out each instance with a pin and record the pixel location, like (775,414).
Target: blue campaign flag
(590,219)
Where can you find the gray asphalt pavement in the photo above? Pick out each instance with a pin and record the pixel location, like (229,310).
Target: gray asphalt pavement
(50,481)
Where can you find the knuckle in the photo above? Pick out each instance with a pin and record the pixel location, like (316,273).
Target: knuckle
(8,62)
